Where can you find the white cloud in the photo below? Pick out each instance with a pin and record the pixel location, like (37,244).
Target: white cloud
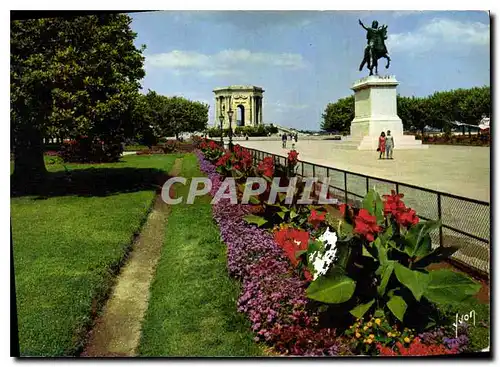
(440,33)
(281,105)
(404,13)
(226,62)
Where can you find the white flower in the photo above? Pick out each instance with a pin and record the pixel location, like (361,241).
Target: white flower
(329,237)
(322,262)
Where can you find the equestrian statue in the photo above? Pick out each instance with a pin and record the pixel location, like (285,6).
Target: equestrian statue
(375,48)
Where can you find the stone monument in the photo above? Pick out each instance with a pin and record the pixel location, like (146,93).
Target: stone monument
(244,100)
(375,110)
(375,100)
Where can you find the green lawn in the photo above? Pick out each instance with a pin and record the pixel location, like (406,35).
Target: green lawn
(68,245)
(192,307)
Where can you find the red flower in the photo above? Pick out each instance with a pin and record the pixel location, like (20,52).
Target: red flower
(307,275)
(223,160)
(366,225)
(316,218)
(416,348)
(407,218)
(293,157)
(394,205)
(343,208)
(266,167)
(292,240)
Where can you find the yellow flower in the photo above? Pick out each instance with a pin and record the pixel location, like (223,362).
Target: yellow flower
(365,327)
(365,341)
(377,321)
(371,336)
(389,334)
(407,340)
(369,341)
(369,324)
(358,335)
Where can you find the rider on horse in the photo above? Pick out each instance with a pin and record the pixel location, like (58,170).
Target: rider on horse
(375,43)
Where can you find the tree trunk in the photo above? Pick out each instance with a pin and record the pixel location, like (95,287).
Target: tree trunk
(29,166)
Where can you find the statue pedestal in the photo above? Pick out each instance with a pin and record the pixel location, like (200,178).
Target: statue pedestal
(375,109)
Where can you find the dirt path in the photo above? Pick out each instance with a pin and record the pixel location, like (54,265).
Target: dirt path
(117,332)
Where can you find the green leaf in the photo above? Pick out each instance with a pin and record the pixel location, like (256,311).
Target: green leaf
(299,253)
(414,280)
(253,200)
(387,234)
(360,310)
(282,215)
(398,306)
(378,313)
(293,214)
(255,219)
(446,286)
(365,252)
(381,251)
(345,229)
(435,256)
(335,288)
(369,201)
(387,270)
(418,239)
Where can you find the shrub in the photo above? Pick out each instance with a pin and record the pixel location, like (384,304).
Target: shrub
(85,149)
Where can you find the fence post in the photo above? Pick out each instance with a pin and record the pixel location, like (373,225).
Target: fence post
(345,186)
(314,170)
(440,218)
(367,186)
(397,188)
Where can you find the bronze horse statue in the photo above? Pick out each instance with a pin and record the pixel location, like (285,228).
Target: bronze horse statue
(376,48)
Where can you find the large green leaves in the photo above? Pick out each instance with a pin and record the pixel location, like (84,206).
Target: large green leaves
(373,203)
(386,272)
(418,240)
(334,288)
(398,306)
(435,256)
(361,309)
(446,286)
(414,280)
(255,219)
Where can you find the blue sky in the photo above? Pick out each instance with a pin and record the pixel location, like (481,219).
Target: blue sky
(306,59)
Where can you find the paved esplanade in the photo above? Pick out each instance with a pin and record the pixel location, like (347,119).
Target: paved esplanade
(459,170)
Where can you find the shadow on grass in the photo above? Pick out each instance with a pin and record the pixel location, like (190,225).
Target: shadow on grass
(93,182)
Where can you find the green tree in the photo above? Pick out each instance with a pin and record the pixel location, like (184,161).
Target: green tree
(338,115)
(175,115)
(70,77)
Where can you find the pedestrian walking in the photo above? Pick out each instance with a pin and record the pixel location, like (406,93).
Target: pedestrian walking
(283,140)
(296,137)
(389,144)
(381,145)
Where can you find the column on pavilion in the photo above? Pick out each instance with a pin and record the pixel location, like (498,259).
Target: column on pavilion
(260,110)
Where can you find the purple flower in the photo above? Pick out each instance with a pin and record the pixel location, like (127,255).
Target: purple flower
(273,296)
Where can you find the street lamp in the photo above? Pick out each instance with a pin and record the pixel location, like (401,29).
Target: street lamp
(221,119)
(230,115)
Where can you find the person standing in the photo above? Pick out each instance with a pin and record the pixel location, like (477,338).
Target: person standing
(381,145)
(283,140)
(389,144)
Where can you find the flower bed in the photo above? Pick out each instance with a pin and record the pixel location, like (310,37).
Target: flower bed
(294,275)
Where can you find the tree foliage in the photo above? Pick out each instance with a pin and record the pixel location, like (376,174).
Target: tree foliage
(70,77)
(159,116)
(338,116)
(436,110)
